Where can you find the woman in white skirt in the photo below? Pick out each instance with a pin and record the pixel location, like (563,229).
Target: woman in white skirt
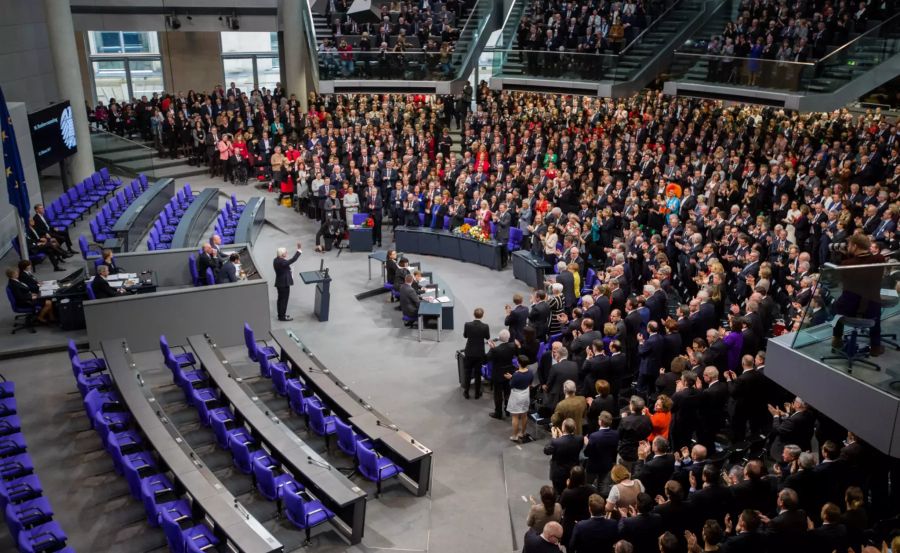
(519,398)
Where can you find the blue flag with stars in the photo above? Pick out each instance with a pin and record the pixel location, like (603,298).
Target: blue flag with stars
(12,163)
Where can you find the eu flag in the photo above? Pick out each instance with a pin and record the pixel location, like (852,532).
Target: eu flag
(15,176)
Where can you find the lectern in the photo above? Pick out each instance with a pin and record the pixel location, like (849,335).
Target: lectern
(323,291)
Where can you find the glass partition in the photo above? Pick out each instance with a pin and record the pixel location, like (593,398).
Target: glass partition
(692,63)
(124,156)
(846,306)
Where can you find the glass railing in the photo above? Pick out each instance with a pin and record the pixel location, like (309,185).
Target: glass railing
(862,295)
(127,156)
(414,63)
(572,65)
(860,55)
(394,66)
(306,14)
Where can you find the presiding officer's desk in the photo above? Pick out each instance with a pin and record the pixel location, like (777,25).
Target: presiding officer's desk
(230,520)
(443,243)
(134,222)
(324,481)
(196,219)
(401,448)
(251,221)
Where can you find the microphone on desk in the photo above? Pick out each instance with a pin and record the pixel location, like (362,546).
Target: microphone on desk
(391,426)
(318,463)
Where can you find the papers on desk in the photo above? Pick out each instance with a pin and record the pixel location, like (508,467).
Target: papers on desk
(125,283)
(121,276)
(443,299)
(48,288)
(424,281)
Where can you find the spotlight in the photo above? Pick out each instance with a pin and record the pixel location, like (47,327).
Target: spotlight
(173,22)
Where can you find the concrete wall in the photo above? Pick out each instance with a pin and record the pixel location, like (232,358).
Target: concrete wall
(7,213)
(191,60)
(26,68)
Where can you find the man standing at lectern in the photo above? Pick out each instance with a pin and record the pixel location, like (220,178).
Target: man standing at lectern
(284,280)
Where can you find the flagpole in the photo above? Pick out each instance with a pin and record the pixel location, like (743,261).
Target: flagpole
(20,229)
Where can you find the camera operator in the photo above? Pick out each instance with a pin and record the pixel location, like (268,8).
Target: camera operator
(861,296)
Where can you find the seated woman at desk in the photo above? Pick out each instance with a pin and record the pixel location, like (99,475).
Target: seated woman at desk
(110,262)
(25,297)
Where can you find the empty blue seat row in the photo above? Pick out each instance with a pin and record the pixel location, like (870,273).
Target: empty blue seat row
(27,513)
(131,458)
(167,220)
(303,402)
(102,224)
(272,481)
(80,199)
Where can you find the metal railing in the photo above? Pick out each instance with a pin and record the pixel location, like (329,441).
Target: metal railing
(123,155)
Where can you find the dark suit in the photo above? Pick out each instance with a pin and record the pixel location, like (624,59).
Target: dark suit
(534,543)
(476,334)
(632,430)
(746,542)
(102,289)
(642,531)
(501,359)
(564,452)
(713,402)
(42,226)
(828,538)
(594,534)
(654,472)
(516,321)
(409,301)
(21,293)
(206,261)
(601,451)
(787,531)
(685,416)
(749,393)
(559,373)
(539,317)
(796,429)
(567,280)
(228,272)
(650,352)
(283,281)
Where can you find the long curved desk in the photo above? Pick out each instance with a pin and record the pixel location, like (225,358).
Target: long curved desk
(251,221)
(332,488)
(137,218)
(230,519)
(442,243)
(401,448)
(196,219)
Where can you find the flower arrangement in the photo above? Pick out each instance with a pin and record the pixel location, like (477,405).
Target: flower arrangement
(471,231)
(370,222)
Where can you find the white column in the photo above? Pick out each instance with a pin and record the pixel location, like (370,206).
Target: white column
(296,60)
(61,34)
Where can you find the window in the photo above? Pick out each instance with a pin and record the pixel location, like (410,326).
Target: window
(125,64)
(250,60)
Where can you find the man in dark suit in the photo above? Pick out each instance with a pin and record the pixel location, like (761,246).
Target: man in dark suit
(796,427)
(713,402)
(546,542)
(650,353)
(501,358)
(502,222)
(373,203)
(229,269)
(476,334)
(600,449)
(749,394)
(209,260)
(567,279)
(43,228)
(539,315)
(564,450)
(787,531)
(516,319)
(37,243)
(685,410)
(101,286)
(564,369)
(596,310)
(409,300)
(634,428)
(654,470)
(832,535)
(674,511)
(284,280)
(643,529)
(747,537)
(597,533)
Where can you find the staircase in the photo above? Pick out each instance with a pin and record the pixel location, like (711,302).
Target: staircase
(681,65)
(656,38)
(323,28)
(130,157)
